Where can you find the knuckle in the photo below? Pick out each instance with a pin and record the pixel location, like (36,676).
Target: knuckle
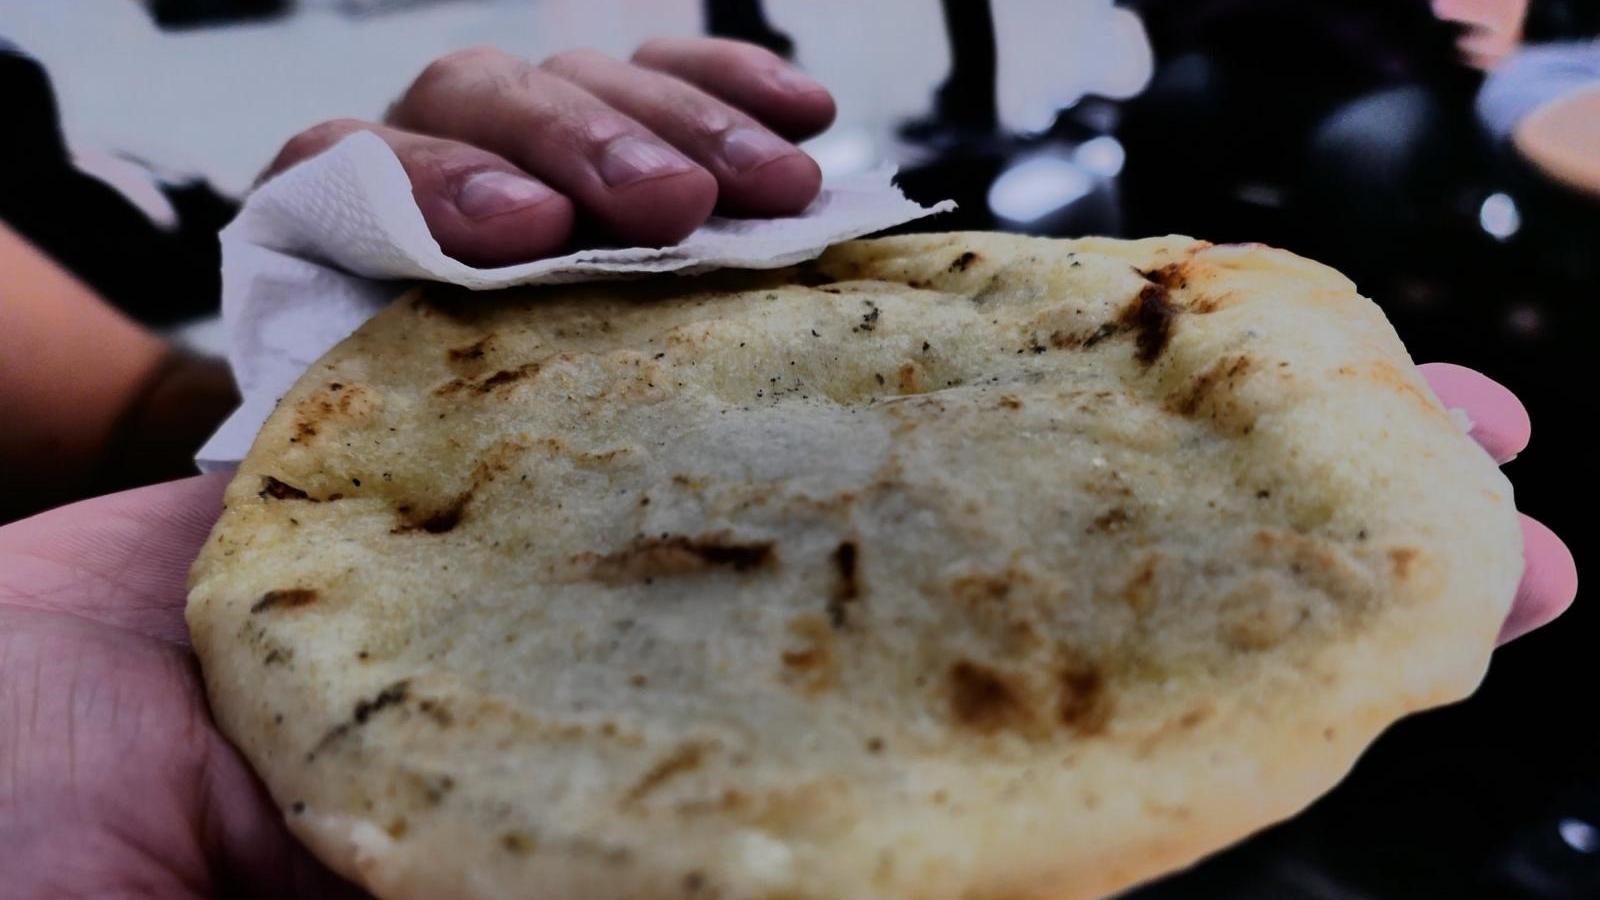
(473,57)
(711,54)
(595,131)
(314,140)
(443,77)
(436,162)
(568,61)
(337,128)
(707,122)
(453,64)
(654,49)
(740,55)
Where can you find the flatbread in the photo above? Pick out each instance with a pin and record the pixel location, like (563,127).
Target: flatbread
(948,566)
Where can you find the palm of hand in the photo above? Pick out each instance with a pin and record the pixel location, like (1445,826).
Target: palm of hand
(113,780)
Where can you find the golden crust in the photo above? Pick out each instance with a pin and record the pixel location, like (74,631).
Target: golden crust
(948,566)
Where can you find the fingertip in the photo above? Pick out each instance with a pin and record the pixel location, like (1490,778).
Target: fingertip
(311,142)
(796,116)
(1499,420)
(785,186)
(526,234)
(480,208)
(495,217)
(798,106)
(814,112)
(664,210)
(1549,581)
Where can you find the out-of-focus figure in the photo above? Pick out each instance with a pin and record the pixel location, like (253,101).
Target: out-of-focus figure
(746,20)
(1283,119)
(1545,101)
(965,104)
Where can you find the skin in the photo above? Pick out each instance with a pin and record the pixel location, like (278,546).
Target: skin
(114,782)
(509,160)
(58,409)
(1560,138)
(1493,28)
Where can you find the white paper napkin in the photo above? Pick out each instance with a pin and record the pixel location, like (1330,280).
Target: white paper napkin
(318,250)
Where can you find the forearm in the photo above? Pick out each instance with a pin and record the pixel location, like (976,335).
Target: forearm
(1561,138)
(82,386)
(1533,78)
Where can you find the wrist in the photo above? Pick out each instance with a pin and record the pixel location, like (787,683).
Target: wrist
(176,407)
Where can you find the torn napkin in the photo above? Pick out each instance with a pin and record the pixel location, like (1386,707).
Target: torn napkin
(321,248)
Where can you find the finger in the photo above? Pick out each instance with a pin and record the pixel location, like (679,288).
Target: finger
(1549,581)
(757,172)
(750,78)
(1499,420)
(638,186)
(121,559)
(1483,48)
(481,209)
(1466,12)
(246,831)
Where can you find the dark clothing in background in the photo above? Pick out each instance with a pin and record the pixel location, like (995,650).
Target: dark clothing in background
(746,20)
(1256,84)
(157,275)
(1339,124)
(1267,73)
(1335,49)
(1272,72)
(1561,20)
(967,97)
(1332,48)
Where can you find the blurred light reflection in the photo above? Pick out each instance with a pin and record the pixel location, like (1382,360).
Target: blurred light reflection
(1038,186)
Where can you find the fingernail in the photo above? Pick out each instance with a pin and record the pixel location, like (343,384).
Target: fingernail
(748,148)
(493,193)
(631,159)
(789,79)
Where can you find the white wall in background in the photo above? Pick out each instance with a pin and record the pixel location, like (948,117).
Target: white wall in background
(221,101)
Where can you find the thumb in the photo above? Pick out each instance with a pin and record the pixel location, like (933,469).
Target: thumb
(120,560)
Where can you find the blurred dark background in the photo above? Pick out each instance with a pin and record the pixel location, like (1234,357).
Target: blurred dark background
(1385,137)
(1346,131)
